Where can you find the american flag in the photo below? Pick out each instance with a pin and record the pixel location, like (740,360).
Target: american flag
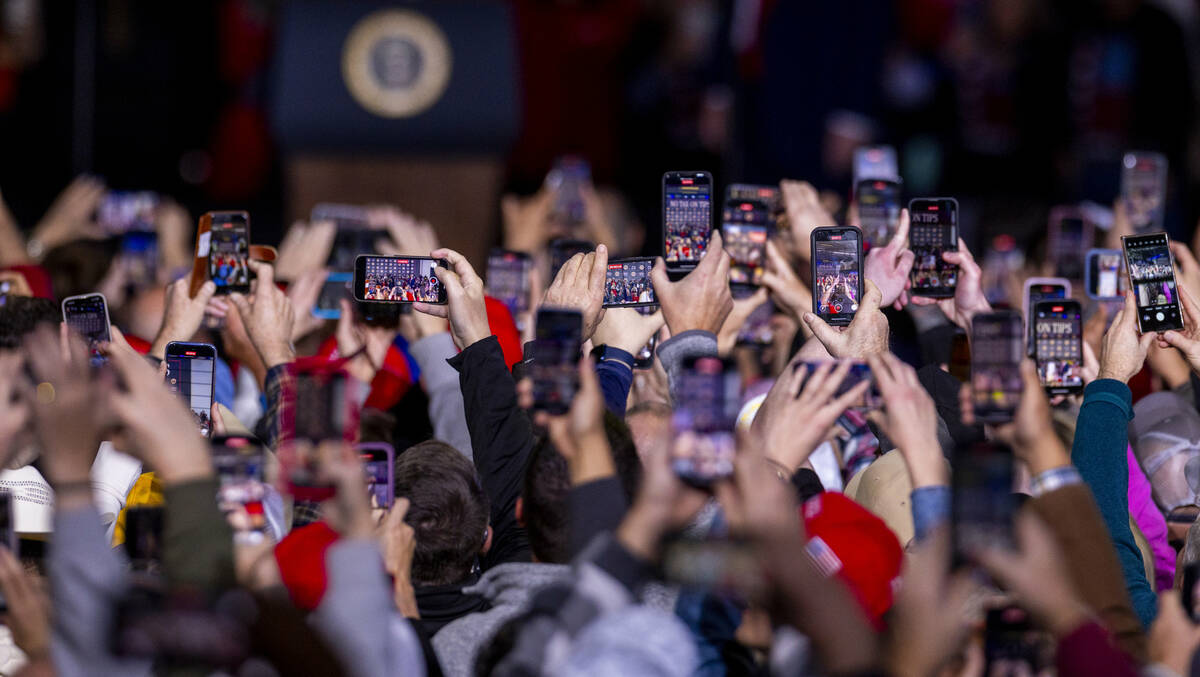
(823,557)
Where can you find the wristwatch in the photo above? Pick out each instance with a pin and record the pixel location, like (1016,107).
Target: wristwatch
(607,353)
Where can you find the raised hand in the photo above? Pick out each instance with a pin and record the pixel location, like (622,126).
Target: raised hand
(305,248)
(349,511)
(465,305)
(579,285)
(406,233)
(701,300)
(1187,340)
(303,292)
(888,267)
(182,314)
(70,218)
(627,329)
(787,290)
(742,308)
(527,220)
(805,213)
(1123,351)
(866,335)
(969,298)
(398,541)
(579,434)
(267,317)
(1031,432)
(909,419)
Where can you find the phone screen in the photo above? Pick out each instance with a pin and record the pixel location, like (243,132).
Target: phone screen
(398,279)
(878,203)
(508,279)
(1152,275)
(837,273)
(1070,237)
(323,409)
(627,283)
(190,373)
(1013,645)
(229,253)
(561,250)
(335,288)
(1144,189)
(687,217)
(377,459)
(710,397)
(353,234)
(757,328)
(933,230)
(87,316)
(238,462)
(569,176)
(745,226)
(124,211)
(144,537)
(556,351)
(982,499)
(1035,292)
(1058,346)
(875,162)
(1104,278)
(996,354)
(768,195)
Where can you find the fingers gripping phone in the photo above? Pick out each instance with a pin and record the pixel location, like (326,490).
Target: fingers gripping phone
(710,395)
(627,283)
(837,273)
(1152,276)
(398,279)
(878,203)
(508,279)
(87,315)
(1041,289)
(562,249)
(1144,189)
(687,218)
(933,231)
(191,368)
(1105,277)
(222,252)
(1058,346)
(745,227)
(557,345)
(997,350)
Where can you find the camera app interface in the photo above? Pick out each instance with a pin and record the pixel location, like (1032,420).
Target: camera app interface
(1153,280)
(190,375)
(627,283)
(1057,333)
(837,274)
(687,219)
(402,280)
(227,259)
(933,231)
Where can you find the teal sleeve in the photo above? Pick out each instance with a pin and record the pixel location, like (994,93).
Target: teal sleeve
(1099,454)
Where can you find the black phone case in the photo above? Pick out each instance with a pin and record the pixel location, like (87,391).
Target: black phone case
(812,247)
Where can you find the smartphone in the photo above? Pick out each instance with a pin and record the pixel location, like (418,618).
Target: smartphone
(138,256)
(878,203)
(378,459)
(1013,645)
(508,279)
(687,218)
(1041,289)
(335,288)
(729,567)
(1189,591)
(562,249)
(8,527)
(191,368)
(398,279)
(239,462)
(982,503)
(567,179)
(859,372)
(225,247)
(1070,234)
(353,235)
(768,195)
(996,353)
(323,403)
(124,211)
(627,283)
(144,538)
(875,162)
(933,230)
(836,273)
(1058,345)
(1104,275)
(745,227)
(757,331)
(709,399)
(1152,276)
(645,357)
(554,369)
(87,315)
(1144,189)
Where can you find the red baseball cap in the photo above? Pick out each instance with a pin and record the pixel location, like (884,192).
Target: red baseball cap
(301,560)
(846,540)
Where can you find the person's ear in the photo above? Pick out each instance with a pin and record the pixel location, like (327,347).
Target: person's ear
(519,512)
(487,540)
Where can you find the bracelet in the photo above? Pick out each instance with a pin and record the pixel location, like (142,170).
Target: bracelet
(780,469)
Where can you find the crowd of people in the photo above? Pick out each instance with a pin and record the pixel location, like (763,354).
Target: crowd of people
(822,533)
(685,241)
(628,291)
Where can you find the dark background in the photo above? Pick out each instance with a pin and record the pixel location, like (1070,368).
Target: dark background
(1010,105)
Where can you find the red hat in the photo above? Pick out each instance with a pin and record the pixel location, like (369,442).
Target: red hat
(846,540)
(301,560)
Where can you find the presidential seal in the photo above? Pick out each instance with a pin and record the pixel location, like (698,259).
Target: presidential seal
(396,63)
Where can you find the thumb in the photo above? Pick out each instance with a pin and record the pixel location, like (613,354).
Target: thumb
(206,292)
(450,279)
(871,297)
(241,303)
(824,333)
(659,277)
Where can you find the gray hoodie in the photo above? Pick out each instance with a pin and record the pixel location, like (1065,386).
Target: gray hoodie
(508,589)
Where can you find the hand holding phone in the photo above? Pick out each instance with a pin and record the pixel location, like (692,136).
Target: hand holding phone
(1041,289)
(837,266)
(996,354)
(191,370)
(223,252)
(745,228)
(627,283)
(1105,277)
(398,279)
(687,218)
(554,367)
(933,231)
(878,204)
(1152,276)
(87,315)
(1058,346)
(704,447)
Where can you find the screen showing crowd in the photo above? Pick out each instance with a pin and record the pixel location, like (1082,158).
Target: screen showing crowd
(1151,274)
(392,279)
(628,282)
(837,276)
(227,263)
(687,221)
